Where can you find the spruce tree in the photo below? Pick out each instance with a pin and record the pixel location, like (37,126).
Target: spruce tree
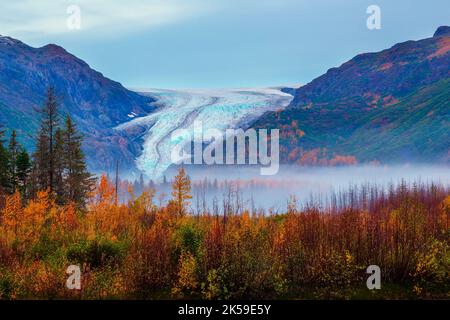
(4,164)
(23,166)
(44,157)
(13,149)
(79,181)
(40,179)
(60,166)
(141,184)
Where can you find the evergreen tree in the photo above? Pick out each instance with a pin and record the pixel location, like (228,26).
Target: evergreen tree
(60,167)
(39,178)
(23,167)
(141,184)
(4,164)
(59,164)
(79,181)
(13,149)
(45,158)
(151,184)
(137,190)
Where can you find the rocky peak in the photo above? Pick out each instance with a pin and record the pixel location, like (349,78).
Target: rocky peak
(442,31)
(5,40)
(54,49)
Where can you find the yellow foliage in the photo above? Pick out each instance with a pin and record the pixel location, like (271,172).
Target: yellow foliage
(12,215)
(181,192)
(187,281)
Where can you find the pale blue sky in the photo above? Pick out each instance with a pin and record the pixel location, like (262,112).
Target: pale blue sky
(219,43)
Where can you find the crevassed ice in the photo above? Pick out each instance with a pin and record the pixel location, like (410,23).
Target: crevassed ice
(219,109)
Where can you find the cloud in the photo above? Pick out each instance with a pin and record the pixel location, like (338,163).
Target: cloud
(28,18)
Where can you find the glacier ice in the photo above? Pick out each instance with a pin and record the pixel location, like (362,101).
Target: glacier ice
(216,108)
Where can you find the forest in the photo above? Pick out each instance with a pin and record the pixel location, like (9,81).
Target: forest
(54,213)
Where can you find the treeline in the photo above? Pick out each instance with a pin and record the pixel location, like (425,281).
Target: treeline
(57,164)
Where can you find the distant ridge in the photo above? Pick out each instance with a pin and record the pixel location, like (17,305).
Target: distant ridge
(390,106)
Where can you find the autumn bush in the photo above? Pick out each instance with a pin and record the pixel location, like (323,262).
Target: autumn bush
(138,250)
(97,253)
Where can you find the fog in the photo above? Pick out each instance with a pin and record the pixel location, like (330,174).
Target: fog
(247,189)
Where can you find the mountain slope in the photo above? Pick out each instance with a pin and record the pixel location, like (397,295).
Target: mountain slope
(97,104)
(417,127)
(389,106)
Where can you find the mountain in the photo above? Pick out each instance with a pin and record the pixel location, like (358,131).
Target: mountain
(388,106)
(96,103)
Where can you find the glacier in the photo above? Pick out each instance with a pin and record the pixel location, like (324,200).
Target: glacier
(178,109)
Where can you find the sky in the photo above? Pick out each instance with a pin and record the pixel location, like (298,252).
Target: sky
(218,43)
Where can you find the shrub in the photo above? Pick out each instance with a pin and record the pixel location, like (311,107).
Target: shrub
(186,283)
(97,253)
(7,285)
(188,238)
(432,271)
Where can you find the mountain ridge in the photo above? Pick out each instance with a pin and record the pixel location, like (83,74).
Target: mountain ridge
(96,103)
(383,106)
(331,108)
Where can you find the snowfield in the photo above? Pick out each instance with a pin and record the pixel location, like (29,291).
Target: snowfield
(219,109)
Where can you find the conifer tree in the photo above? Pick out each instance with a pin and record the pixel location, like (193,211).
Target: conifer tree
(78,182)
(23,167)
(13,150)
(40,165)
(4,164)
(44,157)
(141,183)
(60,167)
